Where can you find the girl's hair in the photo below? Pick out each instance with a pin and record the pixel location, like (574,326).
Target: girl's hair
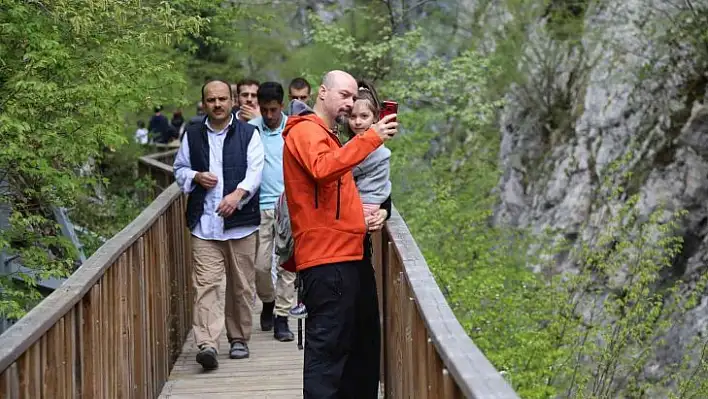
(366,92)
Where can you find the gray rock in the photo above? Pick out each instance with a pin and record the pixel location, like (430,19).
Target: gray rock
(551,178)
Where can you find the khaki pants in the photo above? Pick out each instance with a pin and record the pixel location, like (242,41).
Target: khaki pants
(284,291)
(213,259)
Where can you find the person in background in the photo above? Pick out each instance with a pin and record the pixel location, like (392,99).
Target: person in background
(198,119)
(234,92)
(177,122)
(141,135)
(342,333)
(219,164)
(277,299)
(247,94)
(159,126)
(299,89)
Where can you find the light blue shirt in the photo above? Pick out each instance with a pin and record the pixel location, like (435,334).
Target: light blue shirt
(272,184)
(211,225)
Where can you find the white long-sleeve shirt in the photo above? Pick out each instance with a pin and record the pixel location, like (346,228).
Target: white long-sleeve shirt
(211,225)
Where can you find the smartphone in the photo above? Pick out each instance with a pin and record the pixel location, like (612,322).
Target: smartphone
(388,108)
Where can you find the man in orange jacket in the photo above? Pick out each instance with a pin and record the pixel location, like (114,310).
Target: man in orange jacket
(328,227)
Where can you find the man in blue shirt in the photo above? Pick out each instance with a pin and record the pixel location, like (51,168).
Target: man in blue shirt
(277,298)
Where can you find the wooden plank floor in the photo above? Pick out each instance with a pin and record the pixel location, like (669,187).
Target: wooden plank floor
(273,371)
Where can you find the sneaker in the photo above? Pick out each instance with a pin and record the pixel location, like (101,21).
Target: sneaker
(282,331)
(267,316)
(239,350)
(298,312)
(207,358)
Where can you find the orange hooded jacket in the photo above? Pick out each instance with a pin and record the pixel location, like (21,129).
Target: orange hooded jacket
(326,214)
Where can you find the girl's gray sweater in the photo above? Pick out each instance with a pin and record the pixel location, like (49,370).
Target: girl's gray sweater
(372,176)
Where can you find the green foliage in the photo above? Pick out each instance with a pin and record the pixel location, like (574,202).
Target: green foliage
(588,334)
(368,51)
(69,72)
(237,42)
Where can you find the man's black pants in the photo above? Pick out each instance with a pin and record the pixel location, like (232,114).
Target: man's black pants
(342,331)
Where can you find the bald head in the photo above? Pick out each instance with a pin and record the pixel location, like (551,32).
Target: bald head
(337,78)
(335,97)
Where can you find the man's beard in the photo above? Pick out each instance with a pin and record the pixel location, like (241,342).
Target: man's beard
(341,119)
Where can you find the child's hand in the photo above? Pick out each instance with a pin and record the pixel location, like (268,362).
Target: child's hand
(376,220)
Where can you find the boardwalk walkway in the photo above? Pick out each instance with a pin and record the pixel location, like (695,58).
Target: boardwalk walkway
(115,327)
(274,371)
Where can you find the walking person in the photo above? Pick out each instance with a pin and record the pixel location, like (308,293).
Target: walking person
(277,298)
(219,164)
(247,99)
(299,89)
(328,227)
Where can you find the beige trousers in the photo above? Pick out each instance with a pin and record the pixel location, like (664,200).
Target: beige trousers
(213,260)
(283,293)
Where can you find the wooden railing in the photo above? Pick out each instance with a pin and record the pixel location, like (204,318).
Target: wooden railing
(426,352)
(116,326)
(159,167)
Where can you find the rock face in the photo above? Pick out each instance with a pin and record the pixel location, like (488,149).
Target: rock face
(631,88)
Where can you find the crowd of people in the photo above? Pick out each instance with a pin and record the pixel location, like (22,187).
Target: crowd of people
(245,161)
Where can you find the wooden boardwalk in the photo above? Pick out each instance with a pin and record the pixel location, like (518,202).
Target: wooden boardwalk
(273,371)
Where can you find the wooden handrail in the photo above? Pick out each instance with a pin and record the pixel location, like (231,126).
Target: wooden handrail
(164,160)
(115,327)
(426,352)
(159,167)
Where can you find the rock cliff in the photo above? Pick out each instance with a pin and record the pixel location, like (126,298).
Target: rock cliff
(631,83)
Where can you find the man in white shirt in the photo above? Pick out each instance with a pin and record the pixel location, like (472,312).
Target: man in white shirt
(247,99)
(219,164)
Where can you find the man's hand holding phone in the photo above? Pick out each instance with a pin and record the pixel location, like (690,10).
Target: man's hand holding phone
(387,127)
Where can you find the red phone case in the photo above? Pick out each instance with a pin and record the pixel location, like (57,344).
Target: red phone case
(388,108)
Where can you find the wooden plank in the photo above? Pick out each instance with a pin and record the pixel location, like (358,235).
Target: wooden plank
(389,346)
(10,383)
(434,370)
(122,363)
(106,348)
(71,352)
(149,309)
(420,342)
(58,347)
(49,362)
(274,370)
(31,373)
(129,332)
(88,350)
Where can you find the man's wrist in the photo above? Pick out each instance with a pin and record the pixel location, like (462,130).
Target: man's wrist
(239,194)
